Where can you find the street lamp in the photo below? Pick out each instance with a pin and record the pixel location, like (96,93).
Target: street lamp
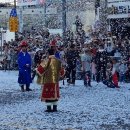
(14,3)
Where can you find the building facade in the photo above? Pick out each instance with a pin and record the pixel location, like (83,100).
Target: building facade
(36,14)
(119,17)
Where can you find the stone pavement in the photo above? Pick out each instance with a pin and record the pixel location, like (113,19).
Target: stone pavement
(1,57)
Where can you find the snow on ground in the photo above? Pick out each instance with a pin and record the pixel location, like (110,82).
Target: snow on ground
(80,108)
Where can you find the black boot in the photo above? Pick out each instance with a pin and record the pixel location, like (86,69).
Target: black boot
(68,81)
(27,88)
(54,108)
(22,88)
(89,84)
(48,109)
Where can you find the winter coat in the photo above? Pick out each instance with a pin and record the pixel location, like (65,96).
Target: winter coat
(71,57)
(101,58)
(86,61)
(24,70)
(37,58)
(50,72)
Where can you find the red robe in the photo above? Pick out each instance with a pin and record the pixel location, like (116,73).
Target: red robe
(51,77)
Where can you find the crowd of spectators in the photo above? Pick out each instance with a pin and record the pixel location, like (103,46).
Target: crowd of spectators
(39,40)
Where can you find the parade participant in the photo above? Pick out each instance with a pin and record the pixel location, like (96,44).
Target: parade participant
(24,65)
(50,72)
(53,45)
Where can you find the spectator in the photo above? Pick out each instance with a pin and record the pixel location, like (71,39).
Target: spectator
(71,57)
(87,67)
(122,71)
(101,63)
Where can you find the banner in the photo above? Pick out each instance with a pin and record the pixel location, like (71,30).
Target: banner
(13,21)
(27,2)
(30,2)
(112,1)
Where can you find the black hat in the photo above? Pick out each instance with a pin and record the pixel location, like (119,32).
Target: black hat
(50,51)
(72,46)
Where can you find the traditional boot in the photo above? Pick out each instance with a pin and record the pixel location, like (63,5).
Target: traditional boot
(68,81)
(48,109)
(27,88)
(54,108)
(22,88)
(89,84)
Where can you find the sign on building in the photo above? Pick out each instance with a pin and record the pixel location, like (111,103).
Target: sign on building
(111,1)
(29,2)
(13,21)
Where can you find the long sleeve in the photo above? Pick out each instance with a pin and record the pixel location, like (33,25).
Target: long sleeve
(41,69)
(23,60)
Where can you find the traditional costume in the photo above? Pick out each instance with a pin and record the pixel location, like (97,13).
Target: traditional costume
(49,72)
(24,64)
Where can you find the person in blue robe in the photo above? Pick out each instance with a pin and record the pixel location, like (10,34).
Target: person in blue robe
(24,66)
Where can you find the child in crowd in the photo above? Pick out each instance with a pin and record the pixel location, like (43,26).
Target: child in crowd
(112,78)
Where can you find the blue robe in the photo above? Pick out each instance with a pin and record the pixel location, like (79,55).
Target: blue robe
(24,71)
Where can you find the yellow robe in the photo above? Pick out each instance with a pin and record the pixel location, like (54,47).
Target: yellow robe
(49,73)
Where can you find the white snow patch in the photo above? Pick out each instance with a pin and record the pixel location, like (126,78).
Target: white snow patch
(80,108)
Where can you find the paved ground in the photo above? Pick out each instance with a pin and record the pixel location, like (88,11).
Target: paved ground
(79,108)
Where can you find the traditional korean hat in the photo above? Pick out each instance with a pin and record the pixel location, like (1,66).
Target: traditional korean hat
(53,43)
(23,44)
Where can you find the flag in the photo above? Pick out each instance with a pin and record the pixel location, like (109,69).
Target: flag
(13,13)
(13,21)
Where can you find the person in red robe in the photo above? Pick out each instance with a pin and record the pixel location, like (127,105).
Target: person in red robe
(50,71)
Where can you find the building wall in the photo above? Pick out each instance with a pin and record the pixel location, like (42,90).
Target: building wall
(87,17)
(35,16)
(118,9)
